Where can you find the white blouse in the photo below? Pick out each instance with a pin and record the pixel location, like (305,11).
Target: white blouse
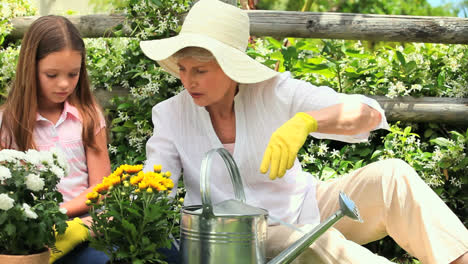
(183,134)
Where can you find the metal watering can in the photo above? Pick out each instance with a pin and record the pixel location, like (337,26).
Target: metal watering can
(234,232)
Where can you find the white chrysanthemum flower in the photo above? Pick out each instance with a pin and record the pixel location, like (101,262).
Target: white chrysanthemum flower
(28,211)
(63,210)
(61,159)
(6,202)
(33,156)
(4,174)
(10,155)
(46,157)
(57,171)
(34,182)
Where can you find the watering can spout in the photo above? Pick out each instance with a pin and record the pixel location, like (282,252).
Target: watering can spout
(347,208)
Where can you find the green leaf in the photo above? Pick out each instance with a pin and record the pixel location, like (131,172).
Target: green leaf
(277,55)
(407,130)
(356,54)
(157,3)
(358,164)
(441,79)
(441,142)
(376,154)
(274,42)
(10,229)
(129,227)
(125,106)
(401,58)
(428,133)
(119,129)
(364,152)
(3,217)
(129,124)
(410,67)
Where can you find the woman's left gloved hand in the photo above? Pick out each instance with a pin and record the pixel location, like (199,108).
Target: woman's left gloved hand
(284,144)
(75,234)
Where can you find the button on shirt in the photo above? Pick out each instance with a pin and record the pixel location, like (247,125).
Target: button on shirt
(66,135)
(183,133)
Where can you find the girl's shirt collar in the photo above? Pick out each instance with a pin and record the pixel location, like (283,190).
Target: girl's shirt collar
(67,109)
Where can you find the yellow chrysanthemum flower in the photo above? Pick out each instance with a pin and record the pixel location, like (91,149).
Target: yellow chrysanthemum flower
(135,180)
(92,195)
(101,188)
(157,168)
(132,168)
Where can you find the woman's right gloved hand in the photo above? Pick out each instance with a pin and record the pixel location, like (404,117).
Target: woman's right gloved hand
(75,234)
(284,144)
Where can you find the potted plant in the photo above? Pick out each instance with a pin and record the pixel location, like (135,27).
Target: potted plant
(132,214)
(30,214)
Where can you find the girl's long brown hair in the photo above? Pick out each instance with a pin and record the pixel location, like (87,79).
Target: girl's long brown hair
(45,35)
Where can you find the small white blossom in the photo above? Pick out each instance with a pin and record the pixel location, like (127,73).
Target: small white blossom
(335,154)
(28,211)
(4,174)
(322,149)
(34,182)
(6,203)
(112,149)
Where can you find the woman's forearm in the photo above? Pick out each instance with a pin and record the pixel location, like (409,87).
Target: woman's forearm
(346,119)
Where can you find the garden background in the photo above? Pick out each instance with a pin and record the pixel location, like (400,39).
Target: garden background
(438,151)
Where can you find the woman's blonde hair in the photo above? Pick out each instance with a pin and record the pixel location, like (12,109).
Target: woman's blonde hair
(45,35)
(200,54)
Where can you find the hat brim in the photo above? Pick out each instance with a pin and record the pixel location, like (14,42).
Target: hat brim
(235,63)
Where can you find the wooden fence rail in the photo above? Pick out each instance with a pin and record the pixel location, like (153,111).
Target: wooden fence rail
(449,30)
(423,109)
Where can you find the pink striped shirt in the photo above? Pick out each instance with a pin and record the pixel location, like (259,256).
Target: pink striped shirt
(65,135)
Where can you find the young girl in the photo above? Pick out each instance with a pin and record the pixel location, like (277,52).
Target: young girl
(50,105)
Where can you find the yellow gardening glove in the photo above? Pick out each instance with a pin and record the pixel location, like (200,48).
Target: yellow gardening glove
(285,143)
(75,234)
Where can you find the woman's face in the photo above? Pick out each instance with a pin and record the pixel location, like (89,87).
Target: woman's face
(206,82)
(58,75)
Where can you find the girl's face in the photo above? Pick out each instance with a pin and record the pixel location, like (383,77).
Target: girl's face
(58,75)
(206,82)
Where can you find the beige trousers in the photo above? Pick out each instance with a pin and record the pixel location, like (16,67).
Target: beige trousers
(392,200)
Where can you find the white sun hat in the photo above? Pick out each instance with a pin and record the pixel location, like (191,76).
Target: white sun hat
(220,28)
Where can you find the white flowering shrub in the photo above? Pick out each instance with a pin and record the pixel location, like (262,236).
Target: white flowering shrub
(8,51)
(29,200)
(415,69)
(10,9)
(442,162)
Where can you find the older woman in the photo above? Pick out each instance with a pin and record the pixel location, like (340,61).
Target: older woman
(263,118)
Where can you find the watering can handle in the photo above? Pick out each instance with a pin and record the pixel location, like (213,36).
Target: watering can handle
(205,179)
